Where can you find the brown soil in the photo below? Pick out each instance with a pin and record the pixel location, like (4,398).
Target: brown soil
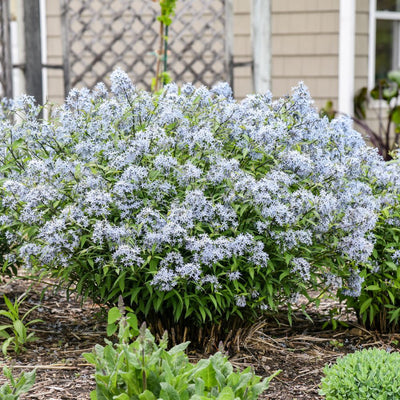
(70,328)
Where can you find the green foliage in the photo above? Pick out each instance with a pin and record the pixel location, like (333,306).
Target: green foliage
(144,370)
(386,91)
(16,387)
(197,209)
(16,333)
(167,11)
(328,111)
(366,374)
(378,306)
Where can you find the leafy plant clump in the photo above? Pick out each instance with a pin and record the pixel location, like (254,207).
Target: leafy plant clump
(366,374)
(144,370)
(16,387)
(16,333)
(194,207)
(387,136)
(378,306)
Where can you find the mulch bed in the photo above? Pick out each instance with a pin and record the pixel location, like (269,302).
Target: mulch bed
(70,328)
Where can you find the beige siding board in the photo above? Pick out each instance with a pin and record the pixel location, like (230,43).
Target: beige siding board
(242,46)
(305,47)
(54,48)
(55,85)
(362,6)
(242,24)
(361,67)
(360,82)
(242,86)
(362,43)
(307,66)
(304,5)
(320,88)
(242,6)
(53,8)
(305,23)
(54,26)
(305,44)
(362,22)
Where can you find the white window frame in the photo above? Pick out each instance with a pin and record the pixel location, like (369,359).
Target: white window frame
(374,14)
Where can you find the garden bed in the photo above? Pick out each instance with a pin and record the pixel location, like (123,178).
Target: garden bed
(70,328)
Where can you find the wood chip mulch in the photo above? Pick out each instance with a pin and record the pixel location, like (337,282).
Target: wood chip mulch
(70,328)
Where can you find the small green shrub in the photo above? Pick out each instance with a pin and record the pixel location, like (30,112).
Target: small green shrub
(367,374)
(146,371)
(12,390)
(16,333)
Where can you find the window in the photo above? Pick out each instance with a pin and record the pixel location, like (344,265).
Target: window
(384,38)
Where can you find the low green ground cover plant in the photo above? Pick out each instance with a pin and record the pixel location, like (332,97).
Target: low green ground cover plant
(16,387)
(362,375)
(138,368)
(194,207)
(16,333)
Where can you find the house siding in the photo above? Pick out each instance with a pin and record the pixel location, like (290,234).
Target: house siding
(362,27)
(242,51)
(305,37)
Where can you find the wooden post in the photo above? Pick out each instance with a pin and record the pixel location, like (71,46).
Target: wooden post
(7,63)
(65,45)
(33,50)
(261,38)
(229,42)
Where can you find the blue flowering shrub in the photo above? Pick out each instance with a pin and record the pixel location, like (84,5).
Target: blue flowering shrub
(192,206)
(378,303)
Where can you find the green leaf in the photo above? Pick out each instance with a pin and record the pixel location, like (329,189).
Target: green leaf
(122,396)
(373,287)
(93,395)
(12,309)
(25,381)
(394,76)
(208,376)
(111,329)
(146,395)
(226,394)
(90,358)
(113,315)
(168,392)
(5,345)
(20,330)
(365,305)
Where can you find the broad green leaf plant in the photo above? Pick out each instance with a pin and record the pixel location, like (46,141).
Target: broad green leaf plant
(363,375)
(137,368)
(16,333)
(16,387)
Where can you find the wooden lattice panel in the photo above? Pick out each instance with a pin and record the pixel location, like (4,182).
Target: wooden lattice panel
(100,35)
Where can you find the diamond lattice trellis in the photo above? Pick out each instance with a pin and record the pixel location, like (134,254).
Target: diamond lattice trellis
(100,35)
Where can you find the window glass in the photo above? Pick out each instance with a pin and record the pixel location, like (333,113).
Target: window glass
(388,5)
(385,54)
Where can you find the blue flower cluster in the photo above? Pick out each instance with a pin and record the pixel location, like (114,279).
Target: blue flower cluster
(192,191)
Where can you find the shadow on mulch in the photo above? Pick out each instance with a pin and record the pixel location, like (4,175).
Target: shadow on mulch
(70,328)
